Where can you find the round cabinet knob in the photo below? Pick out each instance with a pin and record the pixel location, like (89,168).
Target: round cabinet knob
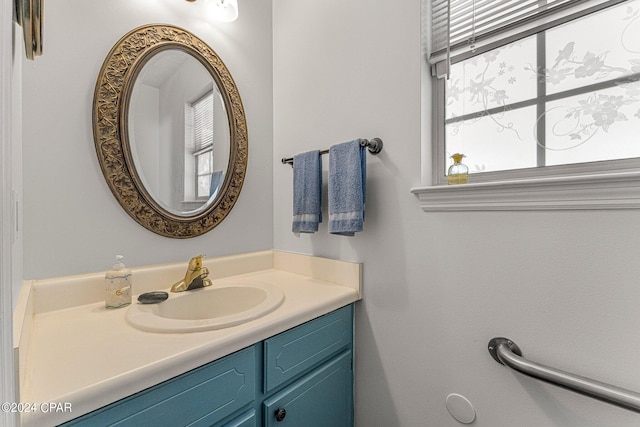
(280,414)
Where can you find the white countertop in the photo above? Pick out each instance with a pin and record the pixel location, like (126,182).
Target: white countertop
(88,356)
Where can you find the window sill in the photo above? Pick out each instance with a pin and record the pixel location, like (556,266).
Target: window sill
(602,191)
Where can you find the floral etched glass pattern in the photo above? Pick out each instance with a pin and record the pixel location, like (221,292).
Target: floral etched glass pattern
(491,80)
(564,96)
(596,48)
(593,127)
(489,142)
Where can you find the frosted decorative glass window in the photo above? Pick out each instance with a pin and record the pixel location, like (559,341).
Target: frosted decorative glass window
(565,96)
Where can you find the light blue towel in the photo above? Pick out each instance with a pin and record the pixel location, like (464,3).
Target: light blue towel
(347,187)
(307,192)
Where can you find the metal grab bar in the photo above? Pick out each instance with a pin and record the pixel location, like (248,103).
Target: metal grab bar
(506,352)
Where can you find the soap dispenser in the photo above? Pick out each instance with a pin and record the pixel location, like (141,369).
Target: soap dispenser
(458,172)
(118,292)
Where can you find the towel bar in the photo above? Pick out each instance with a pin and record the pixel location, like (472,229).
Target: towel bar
(374,146)
(506,352)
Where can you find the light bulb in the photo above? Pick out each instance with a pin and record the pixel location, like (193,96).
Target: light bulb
(223,10)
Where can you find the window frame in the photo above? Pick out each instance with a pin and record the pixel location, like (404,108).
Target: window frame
(196,155)
(199,150)
(591,185)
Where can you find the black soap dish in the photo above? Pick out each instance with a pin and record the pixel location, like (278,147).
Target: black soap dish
(152,297)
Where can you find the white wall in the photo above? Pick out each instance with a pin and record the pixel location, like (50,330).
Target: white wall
(72,222)
(145,131)
(438,287)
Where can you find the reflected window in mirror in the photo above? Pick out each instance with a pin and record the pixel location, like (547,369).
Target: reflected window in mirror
(206,152)
(204,163)
(199,147)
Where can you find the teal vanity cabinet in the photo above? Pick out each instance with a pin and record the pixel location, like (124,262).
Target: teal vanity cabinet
(301,377)
(320,399)
(324,396)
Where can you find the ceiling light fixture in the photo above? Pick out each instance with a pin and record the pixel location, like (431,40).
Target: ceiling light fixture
(221,10)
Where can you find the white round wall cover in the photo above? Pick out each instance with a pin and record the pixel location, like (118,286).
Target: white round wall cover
(460,408)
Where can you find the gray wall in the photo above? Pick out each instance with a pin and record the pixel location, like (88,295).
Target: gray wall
(438,286)
(72,222)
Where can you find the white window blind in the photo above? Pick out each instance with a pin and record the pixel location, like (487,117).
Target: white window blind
(203,123)
(459,26)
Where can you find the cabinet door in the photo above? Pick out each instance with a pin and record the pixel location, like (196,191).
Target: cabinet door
(323,398)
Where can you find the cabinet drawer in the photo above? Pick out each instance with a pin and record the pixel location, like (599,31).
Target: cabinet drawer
(198,398)
(322,398)
(303,347)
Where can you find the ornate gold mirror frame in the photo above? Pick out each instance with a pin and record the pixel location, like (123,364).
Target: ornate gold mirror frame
(110,129)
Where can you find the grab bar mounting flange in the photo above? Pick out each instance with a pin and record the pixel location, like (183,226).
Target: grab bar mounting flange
(495,342)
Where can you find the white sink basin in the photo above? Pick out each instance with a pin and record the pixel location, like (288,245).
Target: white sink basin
(213,307)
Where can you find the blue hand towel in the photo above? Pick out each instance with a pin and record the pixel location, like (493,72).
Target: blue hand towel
(347,187)
(307,192)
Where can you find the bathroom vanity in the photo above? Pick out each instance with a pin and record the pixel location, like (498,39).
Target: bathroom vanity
(301,377)
(291,367)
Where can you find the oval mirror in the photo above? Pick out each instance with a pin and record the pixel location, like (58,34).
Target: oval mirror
(170,131)
(178,132)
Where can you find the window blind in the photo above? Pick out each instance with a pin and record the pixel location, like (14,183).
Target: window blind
(203,122)
(459,26)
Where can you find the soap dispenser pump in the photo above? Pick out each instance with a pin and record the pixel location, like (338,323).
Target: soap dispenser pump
(118,280)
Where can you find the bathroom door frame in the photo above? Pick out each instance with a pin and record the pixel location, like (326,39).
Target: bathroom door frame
(7,214)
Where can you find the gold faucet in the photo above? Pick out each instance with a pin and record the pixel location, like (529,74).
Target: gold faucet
(194,278)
